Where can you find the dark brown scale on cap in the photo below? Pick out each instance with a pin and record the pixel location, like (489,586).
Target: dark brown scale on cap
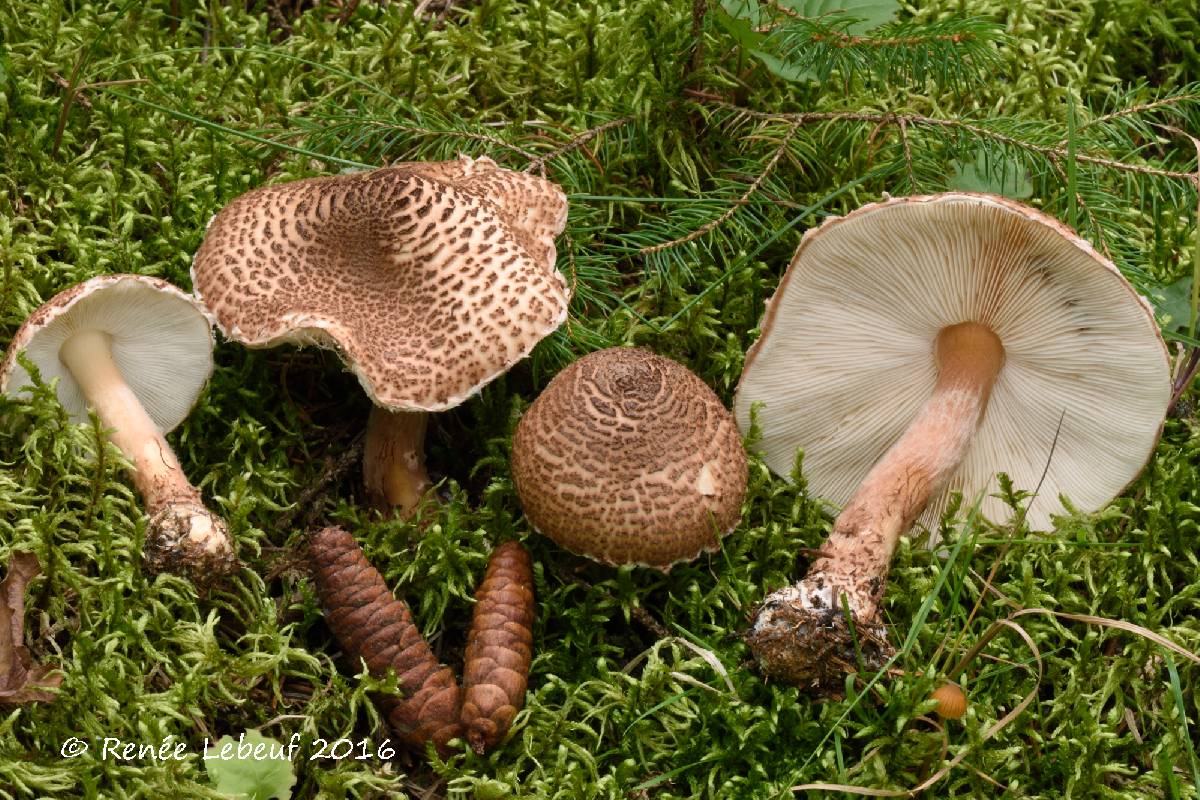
(382,263)
(629,458)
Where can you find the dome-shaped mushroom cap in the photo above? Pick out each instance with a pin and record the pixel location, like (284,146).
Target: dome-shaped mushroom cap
(846,354)
(846,358)
(161,341)
(431,279)
(629,458)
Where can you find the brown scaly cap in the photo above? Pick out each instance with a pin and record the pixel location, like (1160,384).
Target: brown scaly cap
(431,279)
(629,458)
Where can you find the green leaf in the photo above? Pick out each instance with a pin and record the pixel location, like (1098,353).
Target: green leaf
(869,14)
(991,175)
(742,17)
(748,12)
(739,20)
(1173,303)
(251,766)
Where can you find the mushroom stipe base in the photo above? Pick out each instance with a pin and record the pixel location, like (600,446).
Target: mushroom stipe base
(815,648)
(187,539)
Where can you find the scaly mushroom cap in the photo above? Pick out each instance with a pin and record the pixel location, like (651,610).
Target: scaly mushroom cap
(431,279)
(629,458)
(846,356)
(161,341)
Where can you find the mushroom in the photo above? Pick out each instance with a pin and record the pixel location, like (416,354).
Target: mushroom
(915,348)
(629,458)
(138,351)
(430,279)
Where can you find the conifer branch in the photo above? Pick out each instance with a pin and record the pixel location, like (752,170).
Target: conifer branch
(363,127)
(952,51)
(729,212)
(840,38)
(1141,108)
(891,118)
(538,163)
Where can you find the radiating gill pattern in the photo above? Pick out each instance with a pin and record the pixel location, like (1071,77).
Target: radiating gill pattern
(430,278)
(628,457)
(845,361)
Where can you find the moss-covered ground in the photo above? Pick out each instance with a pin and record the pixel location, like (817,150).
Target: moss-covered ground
(125,125)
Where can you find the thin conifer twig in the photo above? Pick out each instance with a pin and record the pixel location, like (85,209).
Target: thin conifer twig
(83,87)
(1140,108)
(840,38)
(1048,151)
(470,135)
(334,470)
(733,208)
(538,163)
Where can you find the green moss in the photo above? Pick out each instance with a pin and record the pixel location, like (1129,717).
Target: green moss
(140,167)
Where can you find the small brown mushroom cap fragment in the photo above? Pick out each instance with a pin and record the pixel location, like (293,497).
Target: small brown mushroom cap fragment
(629,458)
(951,701)
(138,351)
(430,279)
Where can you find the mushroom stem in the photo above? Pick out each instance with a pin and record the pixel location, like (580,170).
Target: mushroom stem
(394,460)
(183,535)
(156,470)
(800,632)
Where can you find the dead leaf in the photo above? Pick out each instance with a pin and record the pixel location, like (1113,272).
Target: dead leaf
(21,681)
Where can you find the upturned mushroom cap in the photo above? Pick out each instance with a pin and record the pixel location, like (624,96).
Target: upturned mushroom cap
(161,341)
(846,356)
(430,279)
(629,458)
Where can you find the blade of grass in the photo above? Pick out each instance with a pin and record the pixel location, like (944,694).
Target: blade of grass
(1177,693)
(233,132)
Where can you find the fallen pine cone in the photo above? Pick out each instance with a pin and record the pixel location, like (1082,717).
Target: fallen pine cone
(500,647)
(374,626)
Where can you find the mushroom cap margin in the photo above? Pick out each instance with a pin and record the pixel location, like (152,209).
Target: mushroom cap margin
(860,374)
(161,337)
